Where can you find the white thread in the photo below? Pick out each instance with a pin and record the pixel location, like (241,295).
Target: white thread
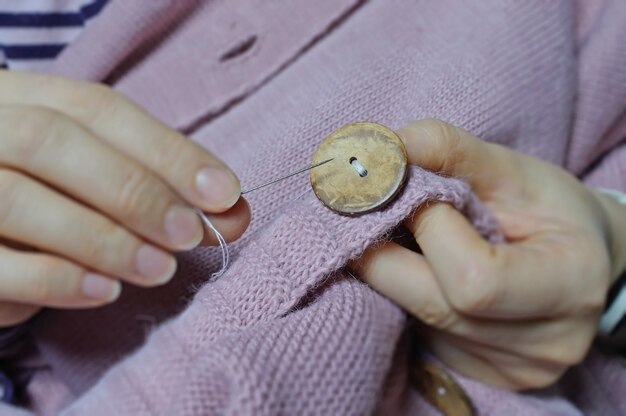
(358,166)
(223,245)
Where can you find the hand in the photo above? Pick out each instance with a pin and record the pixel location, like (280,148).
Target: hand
(513,315)
(92,190)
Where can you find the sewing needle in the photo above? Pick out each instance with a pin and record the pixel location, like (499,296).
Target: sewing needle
(263,185)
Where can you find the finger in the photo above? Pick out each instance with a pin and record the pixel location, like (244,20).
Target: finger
(33,214)
(404,277)
(231,224)
(556,342)
(451,151)
(471,365)
(12,313)
(52,147)
(201,178)
(504,281)
(492,366)
(457,255)
(44,280)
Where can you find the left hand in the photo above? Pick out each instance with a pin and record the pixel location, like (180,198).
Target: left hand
(95,191)
(514,315)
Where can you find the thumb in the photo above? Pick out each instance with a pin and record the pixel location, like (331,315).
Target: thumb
(448,150)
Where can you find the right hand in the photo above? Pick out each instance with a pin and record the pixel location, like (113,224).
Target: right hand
(92,190)
(517,314)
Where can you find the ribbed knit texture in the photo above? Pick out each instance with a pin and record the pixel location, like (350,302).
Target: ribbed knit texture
(285,330)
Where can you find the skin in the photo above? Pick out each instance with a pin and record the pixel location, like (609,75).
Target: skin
(513,315)
(84,205)
(94,191)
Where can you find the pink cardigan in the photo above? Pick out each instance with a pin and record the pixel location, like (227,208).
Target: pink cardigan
(285,331)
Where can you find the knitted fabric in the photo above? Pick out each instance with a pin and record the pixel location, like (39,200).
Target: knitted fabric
(285,330)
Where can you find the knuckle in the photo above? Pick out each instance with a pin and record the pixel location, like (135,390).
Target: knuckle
(47,277)
(556,355)
(433,314)
(107,248)
(174,151)
(589,265)
(29,129)
(444,133)
(574,353)
(567,347)
(137,196)
(578,351)
(438,128)
(597,269)
(10,183)
(428,218)
(94,101)
(534,377)
(593,303)
(445,140)
(478,291)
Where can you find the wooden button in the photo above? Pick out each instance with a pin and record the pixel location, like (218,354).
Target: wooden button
(440,389)
(368,168)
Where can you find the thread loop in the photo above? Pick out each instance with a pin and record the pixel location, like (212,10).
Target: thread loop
(358,167)
(223,246)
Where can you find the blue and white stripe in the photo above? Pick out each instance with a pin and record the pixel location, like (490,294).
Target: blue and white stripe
(34,32)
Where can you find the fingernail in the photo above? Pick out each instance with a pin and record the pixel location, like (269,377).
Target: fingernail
(217,187)
(183,227)
(100,287)
(154,264)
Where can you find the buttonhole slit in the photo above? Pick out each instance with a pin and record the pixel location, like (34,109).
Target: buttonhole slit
(239,49)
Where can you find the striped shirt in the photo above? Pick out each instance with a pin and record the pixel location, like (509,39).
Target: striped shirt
(34,32)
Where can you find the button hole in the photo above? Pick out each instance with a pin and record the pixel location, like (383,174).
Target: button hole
(358,167)
(239,49)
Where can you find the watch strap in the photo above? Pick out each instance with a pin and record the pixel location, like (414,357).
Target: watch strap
(614,315)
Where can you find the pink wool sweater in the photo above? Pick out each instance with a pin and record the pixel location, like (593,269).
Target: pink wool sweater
(285,331)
